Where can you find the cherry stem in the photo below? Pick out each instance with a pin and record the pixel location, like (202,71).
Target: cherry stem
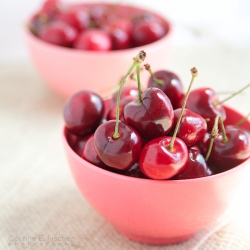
(241,121)
(194,73)
(231,96)
(138,71)
(214,134)
(155,79)
(137,60)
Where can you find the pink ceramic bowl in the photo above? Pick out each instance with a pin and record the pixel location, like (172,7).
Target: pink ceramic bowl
(67,70)
(159,212)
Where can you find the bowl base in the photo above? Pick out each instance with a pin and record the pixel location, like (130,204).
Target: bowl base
(155,240)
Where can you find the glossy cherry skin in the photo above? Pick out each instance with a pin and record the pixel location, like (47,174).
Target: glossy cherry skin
(121,153)
(93,39)
(228,155)
(123,102)
(147,32)
(153,117)
(83,112)
(172,87)
(79,19)
(158,162)
(130,90)
(202,101)
(193,127)
(196,166)
(89,153)
(59,33)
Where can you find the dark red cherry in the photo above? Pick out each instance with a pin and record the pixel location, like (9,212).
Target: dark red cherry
(203,101)
(158,162)
(202,144)
(130,90)
(59,33)
(135,171)
(83,112)
(80,143)
(147,32)
(89,153)
(120,33)
(196,166)
(193,127)
(153,117)
(112,112)
(78,19)
(119,153)
(76,142)
(93,39)
(171,85)
(227,155)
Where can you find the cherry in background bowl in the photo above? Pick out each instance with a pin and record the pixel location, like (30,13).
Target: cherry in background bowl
(160,212)
(68,70)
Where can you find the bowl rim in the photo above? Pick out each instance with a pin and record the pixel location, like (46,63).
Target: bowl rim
(135,179)
(31,37)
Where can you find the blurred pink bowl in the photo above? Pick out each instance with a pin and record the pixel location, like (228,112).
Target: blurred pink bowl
(159,212)
(67,70)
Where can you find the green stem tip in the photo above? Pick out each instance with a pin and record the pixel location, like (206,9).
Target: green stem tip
(137,60)
(155,79)
(194,73)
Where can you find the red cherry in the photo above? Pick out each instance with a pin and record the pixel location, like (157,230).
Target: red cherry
(153,117)
(169,83)
(94,39)
(227,155)
(78,19)
(129,90)
(120,153)
(80,143)
(120,33)
(112,112)
(164,157)
(196,166)
(89,153)
(117,144)
(83,112)
(158,162)
(76,142)
(147,32)
(203,102)
(193,127)
(59,33)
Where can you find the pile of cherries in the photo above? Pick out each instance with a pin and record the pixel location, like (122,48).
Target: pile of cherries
(100,27)
(159,132)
